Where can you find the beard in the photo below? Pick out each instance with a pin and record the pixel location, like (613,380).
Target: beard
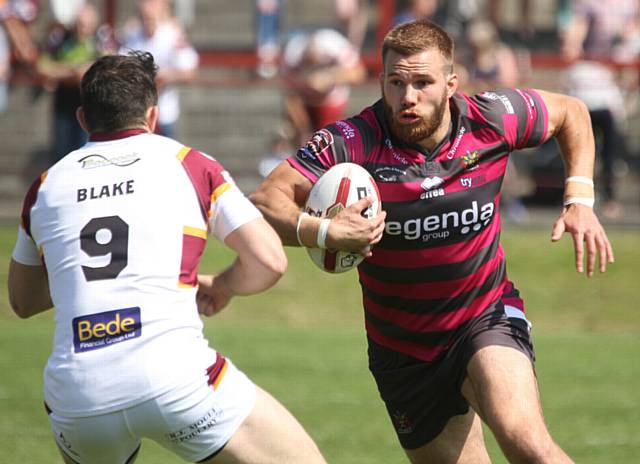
(419,130)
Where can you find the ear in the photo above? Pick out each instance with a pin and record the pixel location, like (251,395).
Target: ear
(80,116)
(151,117)
(452,84)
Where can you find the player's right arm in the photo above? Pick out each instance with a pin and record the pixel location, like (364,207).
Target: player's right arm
(281,196)
(259,264)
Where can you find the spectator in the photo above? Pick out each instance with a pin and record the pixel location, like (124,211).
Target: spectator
(5,69)
(268,19)
(319,68)
(492,64)
(416,9)
(526,29)
(278,150)
(15,17)
(352,16)
(596,33)
(70,52)
(156,31)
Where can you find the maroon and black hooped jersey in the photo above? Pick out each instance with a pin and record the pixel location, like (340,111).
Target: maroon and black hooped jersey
(440,263)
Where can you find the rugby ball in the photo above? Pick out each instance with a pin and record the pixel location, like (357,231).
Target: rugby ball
(339,187)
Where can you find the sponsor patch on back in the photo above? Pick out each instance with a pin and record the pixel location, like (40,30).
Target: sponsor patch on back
(95,331)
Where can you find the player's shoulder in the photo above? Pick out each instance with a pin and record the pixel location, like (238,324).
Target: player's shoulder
(365,125)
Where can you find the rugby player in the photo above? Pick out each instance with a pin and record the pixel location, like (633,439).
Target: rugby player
(449,342)
(111,236)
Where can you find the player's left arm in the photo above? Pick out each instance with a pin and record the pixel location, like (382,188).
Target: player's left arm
(28,289)
(569,122)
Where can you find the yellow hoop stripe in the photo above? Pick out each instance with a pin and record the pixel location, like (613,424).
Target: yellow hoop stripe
(219,191)
(223,371)
(194,232)
(183,153)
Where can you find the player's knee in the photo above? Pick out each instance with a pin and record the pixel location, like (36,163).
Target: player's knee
(529,448)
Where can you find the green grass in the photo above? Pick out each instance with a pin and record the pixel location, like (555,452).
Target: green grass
(304,342)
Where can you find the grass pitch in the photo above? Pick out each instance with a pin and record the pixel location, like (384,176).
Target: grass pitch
(303,341)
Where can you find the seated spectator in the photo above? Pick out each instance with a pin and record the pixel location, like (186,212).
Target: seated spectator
(156,31)
(319,69)
(69,53)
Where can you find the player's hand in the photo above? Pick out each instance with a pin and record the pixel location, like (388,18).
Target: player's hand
(581,222)
(350,231)
(213,294)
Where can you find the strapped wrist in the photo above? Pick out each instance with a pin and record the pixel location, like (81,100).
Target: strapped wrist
(302,215)
(322,233)
(586,201)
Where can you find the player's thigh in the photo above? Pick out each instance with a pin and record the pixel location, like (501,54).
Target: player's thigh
(460,442)
(97,439)
(501,385)
(196,421)
(270,434)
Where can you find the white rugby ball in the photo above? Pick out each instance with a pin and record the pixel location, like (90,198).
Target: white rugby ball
(339,187)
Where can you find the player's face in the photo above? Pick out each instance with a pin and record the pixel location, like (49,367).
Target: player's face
(416,90)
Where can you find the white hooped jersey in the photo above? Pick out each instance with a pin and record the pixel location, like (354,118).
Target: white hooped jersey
(120,225)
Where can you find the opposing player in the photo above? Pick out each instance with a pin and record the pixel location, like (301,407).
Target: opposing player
(111,236)
(449,343)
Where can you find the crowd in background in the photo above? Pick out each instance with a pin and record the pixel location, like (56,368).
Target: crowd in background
(318,66)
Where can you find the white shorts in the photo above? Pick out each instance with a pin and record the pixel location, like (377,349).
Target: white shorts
(194,422)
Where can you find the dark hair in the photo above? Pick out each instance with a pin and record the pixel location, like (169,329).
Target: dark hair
(117,90)
(416,37)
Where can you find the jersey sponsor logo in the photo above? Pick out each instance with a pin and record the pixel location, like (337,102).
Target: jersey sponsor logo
(431,182)
(502,98)
(468,182)
(396,156)
(452,151)
(442,226)
(95,331)
(204,423)
(98,161)
(389,173)
(348,132)
(431,185)
(434,193)
(105,191)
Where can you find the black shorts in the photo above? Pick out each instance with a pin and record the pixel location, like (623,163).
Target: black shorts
(422,396)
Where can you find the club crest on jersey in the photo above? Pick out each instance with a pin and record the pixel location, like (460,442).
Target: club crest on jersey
(98,161)
(95,331)
(320,141)
(471,160)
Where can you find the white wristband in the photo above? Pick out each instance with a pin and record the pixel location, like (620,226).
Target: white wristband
(580,201)
(580,179)
(322,233)
(298,227)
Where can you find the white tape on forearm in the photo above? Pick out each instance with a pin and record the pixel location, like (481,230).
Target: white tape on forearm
(580,201)
(322,233)
(298,227)
(580,179)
